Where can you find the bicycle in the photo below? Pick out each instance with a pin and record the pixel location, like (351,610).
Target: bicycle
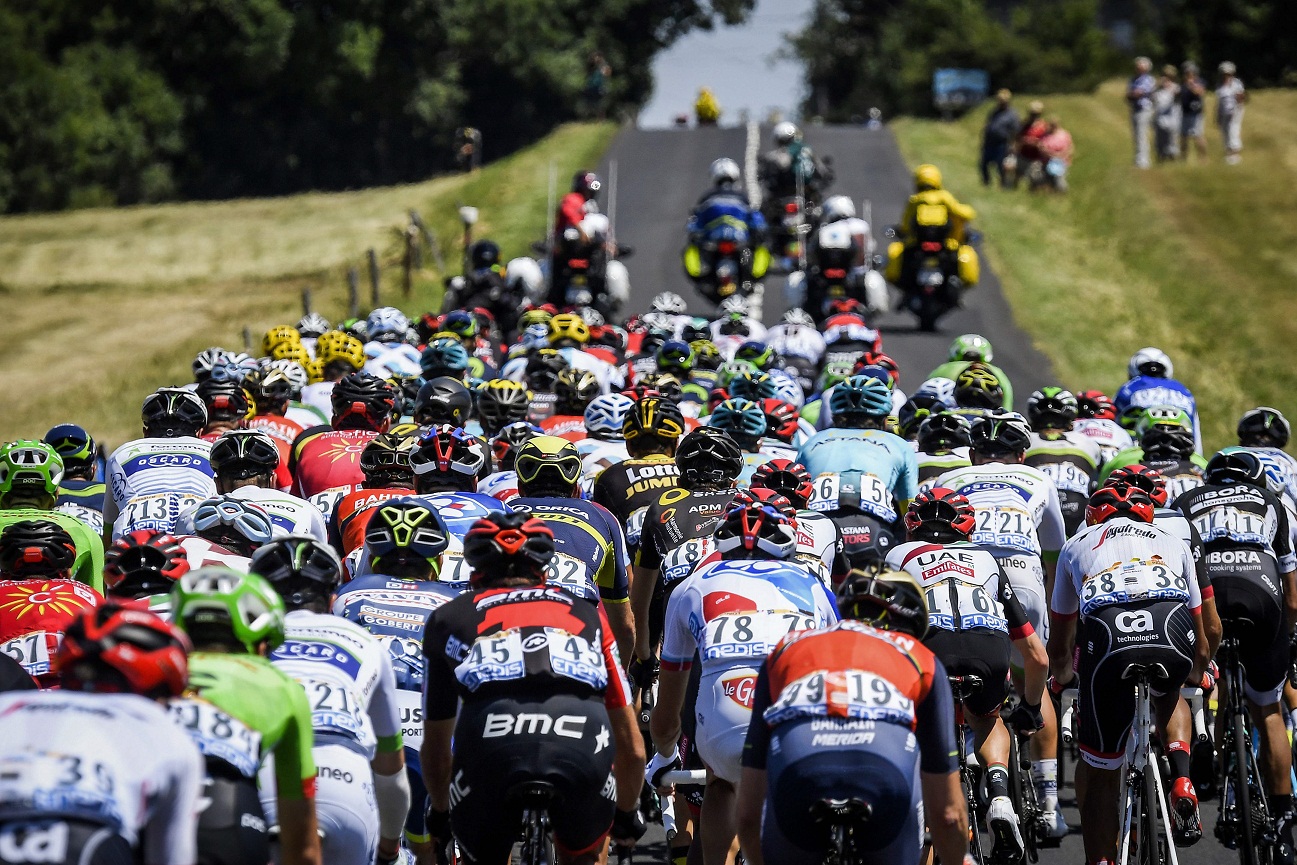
(842,822)
(535,799)
(1143,799)
(961,688)
(1022,790)
(1244,819)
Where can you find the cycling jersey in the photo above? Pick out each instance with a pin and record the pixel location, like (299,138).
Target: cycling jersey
(1072,462)
(319,396)
(1119,561)
(610,378)
(933,466)
(351,515)
(1146,391)
(33,617)
(152,481)
(799,340)
(108,759)
(565,426)
(1239,515)
(324,458)
(83,500)
(820,546)
(888,469)
(307,416)
(278,427)
(1107,434)
(88,566)
(289,515)
(677,516)
(597,455)
(1181,475)
(1280,469)
(630,486)
(965,586)
(1017,508)
(590,551)
(500,485)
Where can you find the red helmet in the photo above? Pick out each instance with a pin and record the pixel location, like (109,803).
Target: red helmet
(144,562)
(781,418)
(115,649)
(848,306)
(1149,480)
(877,358)
(501,544)
(789,479)
(758,530)
(940,514)
(1124,500)
(763,496)
(1095,404)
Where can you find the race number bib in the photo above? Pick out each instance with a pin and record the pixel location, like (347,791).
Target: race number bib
(575,657)
(409,706)
(572,574)
(1067,477)
(956,605)
(680,562)
(219,735)
(33,651)
(635,527)
(66,783)
(749,635)
(495,658)
(335,709)
(453,568)
(859,694)
(156,511)
(1129,581)
(1005,527)
(1231,524)
(831,491)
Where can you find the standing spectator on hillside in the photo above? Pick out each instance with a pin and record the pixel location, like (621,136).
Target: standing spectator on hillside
(1193,97)
(596,84)
(1166,115)
(1056,150)
(1140,96)
(1027,144)
(997,136)
(1230,97)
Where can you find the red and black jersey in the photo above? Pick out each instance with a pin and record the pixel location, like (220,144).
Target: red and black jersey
(350,516)
(324,458)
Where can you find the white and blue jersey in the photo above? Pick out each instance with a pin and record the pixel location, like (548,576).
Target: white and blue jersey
(1146,391)
(396,612)
(151,481)
(886,464)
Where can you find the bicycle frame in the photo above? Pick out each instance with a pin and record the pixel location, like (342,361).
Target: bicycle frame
(962,687)
(1244,806)
(1142,781)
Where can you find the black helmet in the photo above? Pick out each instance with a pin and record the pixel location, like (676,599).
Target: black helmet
(443,400)
(1051,408)
(300,569)
(587,183)
(501,402)
(1262,426)
(76,446)
(708,457)
(943,432)
(244,453)
(1166,442)
(385,461)
(573,390)
(484,255)
(1235,467)
(888,599)
(999,434)
(543,367)
(171,412)
(362,401)
(978,387)
(225,400)
(504,447)
(36,549)
(654,417)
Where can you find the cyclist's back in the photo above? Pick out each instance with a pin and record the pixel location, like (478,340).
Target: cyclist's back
(152,480)
(590,559)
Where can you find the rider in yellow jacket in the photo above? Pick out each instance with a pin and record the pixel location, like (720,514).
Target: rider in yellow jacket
(931,204)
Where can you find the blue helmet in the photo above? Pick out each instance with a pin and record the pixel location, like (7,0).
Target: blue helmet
(861,396)
(754,385)
(444,356)
(743,419)
(75,445)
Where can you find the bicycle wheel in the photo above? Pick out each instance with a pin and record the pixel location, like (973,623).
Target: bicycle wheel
(1023,793)
(1154,839)
(1246,837)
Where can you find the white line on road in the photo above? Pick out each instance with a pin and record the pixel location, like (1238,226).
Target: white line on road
(750,163)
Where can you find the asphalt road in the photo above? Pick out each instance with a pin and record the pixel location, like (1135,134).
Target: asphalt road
(660,175)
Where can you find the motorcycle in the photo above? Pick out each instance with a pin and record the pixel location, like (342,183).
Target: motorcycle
(587,274)
(933,271)
(724,262)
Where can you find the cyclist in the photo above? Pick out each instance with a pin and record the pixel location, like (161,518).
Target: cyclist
(568,334)
(152,479)
(228,405)
(134,796)
(978,391)
(1071,460)
(441,401)
(272,391)
(1096,418)
(573,391)
(975,621)
(328,457)
(590,550)
(502,484)
(233,524)
(81,494)
(973,348)
(244,463)
(362,793)
(1125,593)
(605,443)
(934,396)
(339,354)
(239,710)
(881,729)
(385,462)
(1151,384)
(30,472)
(144,566)
(501,402)
(1263,430)
(1166,444)
(746,424)
(942,446)
(730,614)
(550,715)
(652,428)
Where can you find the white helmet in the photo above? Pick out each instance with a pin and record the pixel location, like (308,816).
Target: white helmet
(725,170)
(1150,361)
(785,133)
(524,273)
(799,316)
(387,324)
(734,303)
(668,302)
(838,207)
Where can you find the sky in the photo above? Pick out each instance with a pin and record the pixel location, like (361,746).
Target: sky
(735,63)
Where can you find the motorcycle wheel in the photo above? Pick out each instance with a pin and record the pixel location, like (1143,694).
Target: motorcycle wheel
(930,310)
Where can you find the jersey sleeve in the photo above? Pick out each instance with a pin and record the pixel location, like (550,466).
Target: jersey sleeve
(1065,600)
(1199,562)
(614,585)
(757,744)
(907,484)
(617,695)
(1019,625)
(384,713)
(935,726)
(1191,577)
(90,556)
(1283,547)
(294,762)
(678,642)
(1052,531)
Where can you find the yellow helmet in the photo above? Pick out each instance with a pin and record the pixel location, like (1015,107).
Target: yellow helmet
(536,315)
(927,176)
(330,340)
(293,351)
(277,335)
(568,326)
(314,370)
(350,350)
(548,465)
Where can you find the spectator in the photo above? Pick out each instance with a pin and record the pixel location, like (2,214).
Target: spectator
(997,136)
(1166,115)
(706,108)
(1028,141)
(596,84)
(1140,96)
(1192,103)
(1230,98)
(1056,152)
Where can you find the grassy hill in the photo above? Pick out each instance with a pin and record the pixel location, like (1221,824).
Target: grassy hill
(104,305)
(1199,259)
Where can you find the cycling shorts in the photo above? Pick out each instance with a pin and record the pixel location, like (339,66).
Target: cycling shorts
(1027,578)
(416,821)
(692,793)
(1072,505)
(1247,586)
(723,714)
(1143,632)
(876,762)
(866,539)
(232,828)
(345,805)
(63,842)
(563,740)
(982,653)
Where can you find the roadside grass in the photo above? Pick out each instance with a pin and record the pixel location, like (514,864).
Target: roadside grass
(104,305)
(1196,258)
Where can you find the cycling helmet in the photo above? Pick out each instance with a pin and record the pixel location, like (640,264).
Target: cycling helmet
(922,404)
(314,371)
(387,325)
(292,371)
(172,412)
(29,467)
(708,456)
(502,546)
(860,397)
(501,402)
(1149,480)
(294,351)
(313,325)
(1124,500)
(834,373)
(535,315)
(362,401)
(355,327)
(244,453)
(756,353)
(236,524)
(971,346)
(790,479)
(1162,416)
(504,447)
(74,445)
(448,456)
(940,515)
(567,329)
(799,317)
(484,255)
(1166,442)
(695,329)
(461,323)
(665,384)
(788,389)
(593,319)
(300,569)
(837,207)
(279,335)
(654,417)
(605,416)
(706,355)
(441,401)
(999,434)
(1150,361)
(144,562)
(1095,404)
(219,605)
(1261,427)
(888,599)
(548,466)
(36,549)
(742,419)
(785,133)
(345,352)
(668,301)
(543,367)
(943,432)
(756,531)
(1235,467)
(206,360)
(385,461)
(587,183)
(781,419)
(444,356)
(675,357)
(225,401)
(406,536)
(116,650)
(1051,408)
(762,496)
(573,390)
(724,172)
(977,387)
(927,176)
(753,385)
(330,341)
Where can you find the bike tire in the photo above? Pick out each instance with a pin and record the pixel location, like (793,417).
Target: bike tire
(1023,793)
(1155,839)
(1246,839)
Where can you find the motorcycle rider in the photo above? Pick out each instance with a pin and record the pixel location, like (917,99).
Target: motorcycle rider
(724,222)
(932,215)
(581,230)
(779,167)
(838,253)
(484,283)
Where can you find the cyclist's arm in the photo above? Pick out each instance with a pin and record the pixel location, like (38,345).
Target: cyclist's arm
(752,783)
(641,601)
(435,759)
(295,783)
(629,758)
(943,804)
(391,787)
(664,723)
(1027,642)
(170,834)
(939,768)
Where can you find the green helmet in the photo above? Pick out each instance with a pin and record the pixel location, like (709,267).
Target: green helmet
(733,369)
(1162,416)
(834,373)
(29,466)
(216,603)
(971,346)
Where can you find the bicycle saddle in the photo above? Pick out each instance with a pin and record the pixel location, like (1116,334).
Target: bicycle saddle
(964,686)
(1148,672)
(842,812)
(532,794)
